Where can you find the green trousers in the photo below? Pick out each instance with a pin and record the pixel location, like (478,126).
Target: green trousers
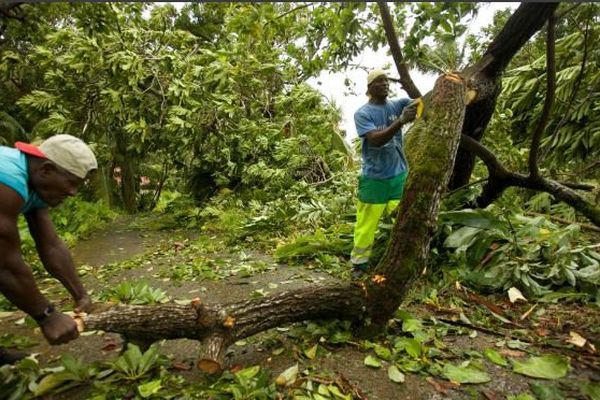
(375,197)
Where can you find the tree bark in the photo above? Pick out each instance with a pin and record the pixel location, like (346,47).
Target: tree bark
(501,178)
(126,161)
(390,33)
(221,325)
(520,27)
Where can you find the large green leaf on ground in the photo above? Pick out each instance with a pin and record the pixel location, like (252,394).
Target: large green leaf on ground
(551,366)
(465,374)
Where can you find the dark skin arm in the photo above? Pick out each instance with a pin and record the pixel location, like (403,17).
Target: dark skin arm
(380,137)
(16,279)
(55,256)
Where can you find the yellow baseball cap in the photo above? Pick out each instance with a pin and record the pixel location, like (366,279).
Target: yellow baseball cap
(376,73)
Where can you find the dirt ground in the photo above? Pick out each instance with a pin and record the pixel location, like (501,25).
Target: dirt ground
(121,242)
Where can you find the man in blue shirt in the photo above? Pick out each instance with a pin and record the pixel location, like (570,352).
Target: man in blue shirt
(384,168)
(31,180)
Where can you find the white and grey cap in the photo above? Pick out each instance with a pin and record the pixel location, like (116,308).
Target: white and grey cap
(66,151)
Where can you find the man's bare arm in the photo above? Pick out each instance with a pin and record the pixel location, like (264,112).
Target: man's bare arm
(16,279)
(54,254)
(380,137)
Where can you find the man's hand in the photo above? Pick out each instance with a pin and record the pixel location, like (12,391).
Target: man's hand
(409,113)
(59,328)
(83,304)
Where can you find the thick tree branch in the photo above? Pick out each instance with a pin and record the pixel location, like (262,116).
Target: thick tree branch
(388,25)
(525,22)
(484,75)
(490,160)
(221,325)
(536,138)
(501,178)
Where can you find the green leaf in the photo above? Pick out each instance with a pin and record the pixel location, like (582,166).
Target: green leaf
(550,366)
(546,392)
(411,346)
(372,362)
(592,390)
(465,374)
(461,237)
(334,390)
(340,337)
(495,357)
(149,388)
(323,390)
(382,352)
(148,359)
(248,373)
(522,396)
(474,218)
(395,375)
(288,376)
(50,382)
(412,325)
(312,352)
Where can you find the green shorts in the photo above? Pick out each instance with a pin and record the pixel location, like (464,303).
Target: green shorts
(380,191)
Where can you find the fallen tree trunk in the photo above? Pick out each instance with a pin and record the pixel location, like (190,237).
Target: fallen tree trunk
(432,150)
(221,325)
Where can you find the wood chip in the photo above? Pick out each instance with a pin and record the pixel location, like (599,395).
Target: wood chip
(229,322)
(442,386)
(196,302)
(576,339)
(515,295)
(526,314)
(491,395)
(512,353)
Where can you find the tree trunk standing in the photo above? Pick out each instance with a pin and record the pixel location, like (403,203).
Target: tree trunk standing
(126,161)
(432,149)
(129,185)
(101,185)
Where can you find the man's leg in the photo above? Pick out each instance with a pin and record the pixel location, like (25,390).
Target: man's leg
(391,207)
(396,189)
(367,218)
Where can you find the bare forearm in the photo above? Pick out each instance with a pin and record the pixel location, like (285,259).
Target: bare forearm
(18,286)
(58,262)
(381,137)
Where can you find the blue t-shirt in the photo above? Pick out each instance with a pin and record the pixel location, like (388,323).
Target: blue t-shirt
(388,160)
(14,174)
